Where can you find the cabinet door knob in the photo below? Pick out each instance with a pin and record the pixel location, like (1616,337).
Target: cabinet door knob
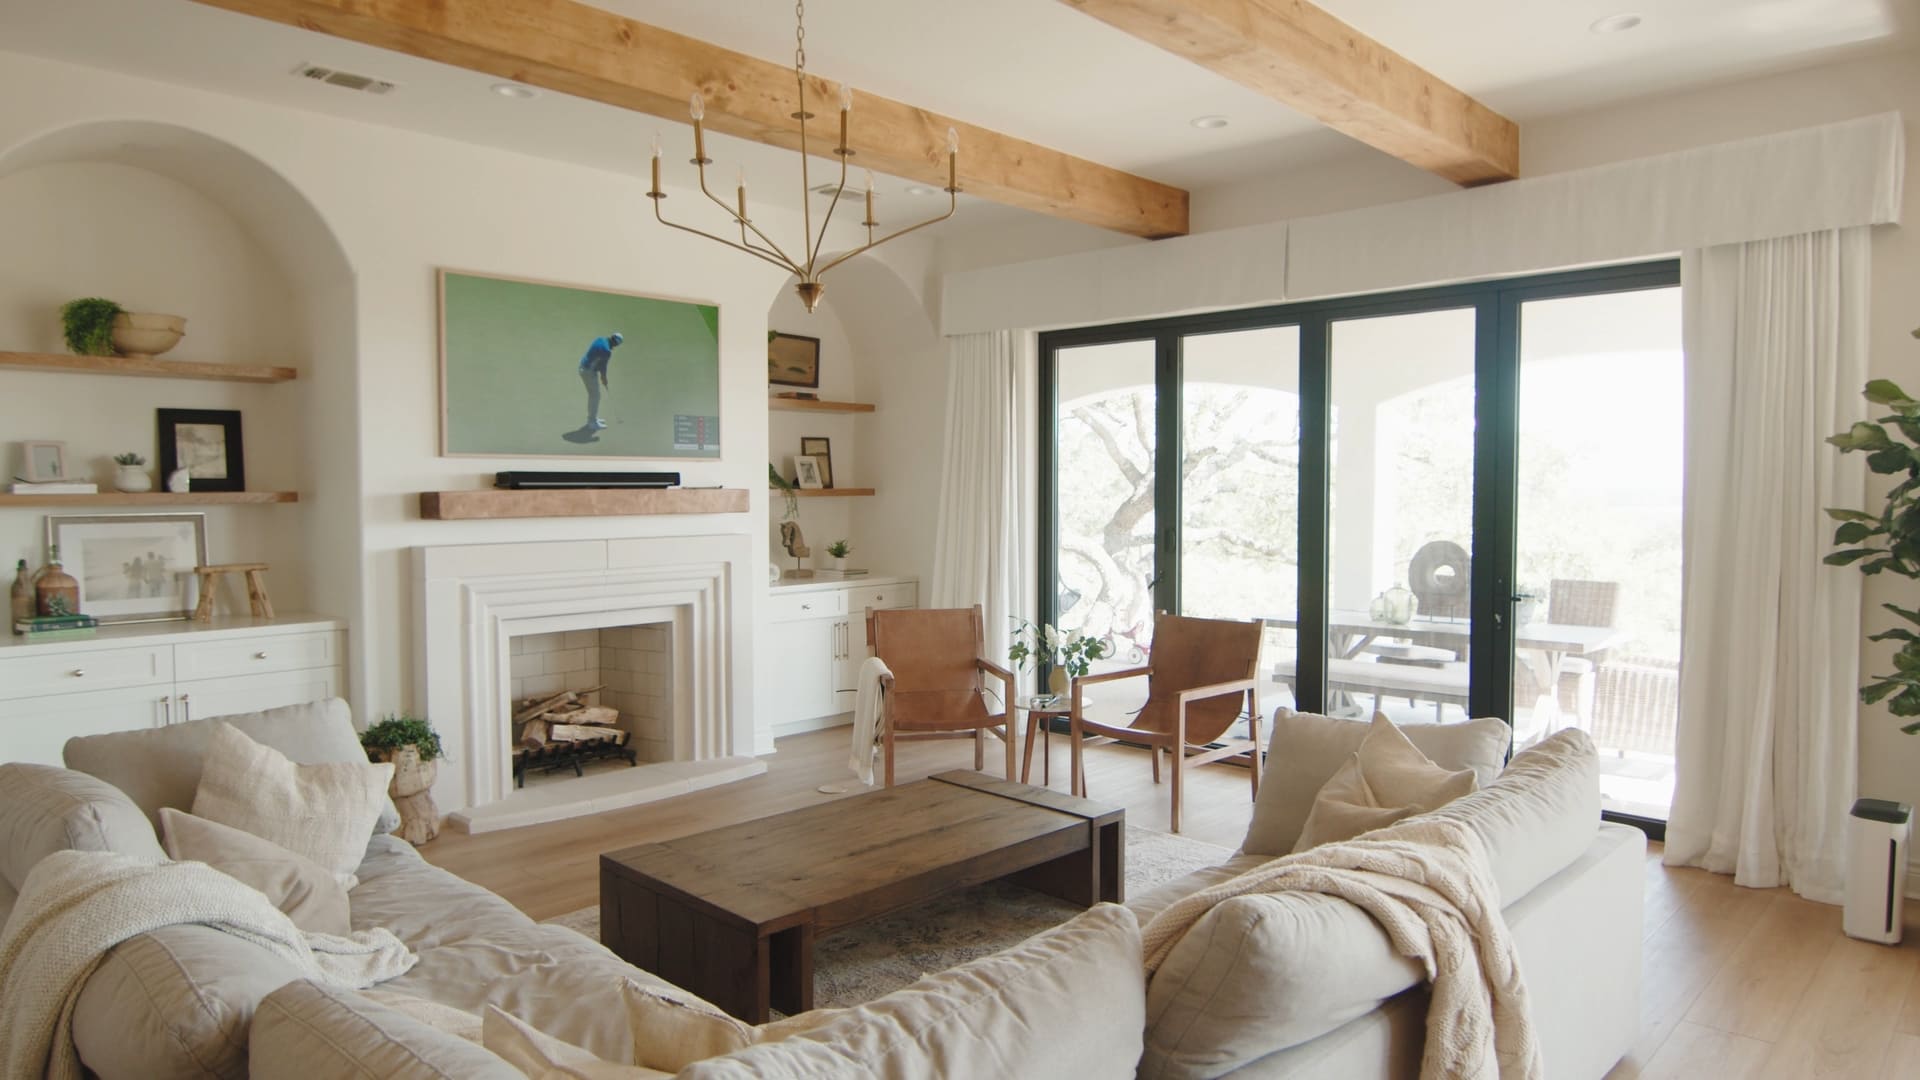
(261,655)
(78,673)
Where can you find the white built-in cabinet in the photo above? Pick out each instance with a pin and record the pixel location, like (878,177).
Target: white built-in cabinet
(152,674)
(816,641)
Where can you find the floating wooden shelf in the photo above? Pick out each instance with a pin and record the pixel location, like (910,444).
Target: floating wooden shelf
(154,498)
(803,405)
(486,503)
(158,369)
(828,493)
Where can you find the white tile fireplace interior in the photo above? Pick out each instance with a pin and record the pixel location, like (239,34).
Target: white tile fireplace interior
(632,666)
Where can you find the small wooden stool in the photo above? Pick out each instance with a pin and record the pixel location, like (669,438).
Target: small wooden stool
(257,602)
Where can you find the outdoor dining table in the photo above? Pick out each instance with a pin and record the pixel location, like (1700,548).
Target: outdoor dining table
(1542,646)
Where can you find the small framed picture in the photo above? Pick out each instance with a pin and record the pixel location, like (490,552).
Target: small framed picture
(793,360)
(806,472)
(133,567)
(817,446)
(207,442)
(45,461)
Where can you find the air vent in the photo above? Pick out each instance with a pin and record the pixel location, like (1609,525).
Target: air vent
(347,79)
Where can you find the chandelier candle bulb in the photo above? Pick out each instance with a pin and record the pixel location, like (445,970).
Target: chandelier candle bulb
(742,188)
(656,166)
(697,108)
(846,107)
(953,160)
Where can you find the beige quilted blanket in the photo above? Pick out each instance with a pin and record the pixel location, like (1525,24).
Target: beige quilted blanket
(77,905)
(1427,882)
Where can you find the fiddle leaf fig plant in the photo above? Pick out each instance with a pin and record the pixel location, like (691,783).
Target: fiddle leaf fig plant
(1888,540)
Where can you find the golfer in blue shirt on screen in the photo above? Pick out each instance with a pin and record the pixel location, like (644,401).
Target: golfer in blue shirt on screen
(593,374)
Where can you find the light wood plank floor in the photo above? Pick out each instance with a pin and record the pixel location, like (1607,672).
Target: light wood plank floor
(1737,982)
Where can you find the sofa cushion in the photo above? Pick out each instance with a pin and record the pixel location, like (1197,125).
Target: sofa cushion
(476,949)
(323,812)
(1539,815)
(1387,779)
(1262,972)
(44,809)
(1307,748)
(175,1002)
(535,1055)
(306,1031)
(159,767)
(1162,896)
(1067,1002)
(306,891)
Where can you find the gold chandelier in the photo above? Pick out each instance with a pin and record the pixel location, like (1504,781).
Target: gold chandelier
(808,270)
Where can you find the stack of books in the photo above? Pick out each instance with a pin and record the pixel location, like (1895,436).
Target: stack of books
(56,627)
(55,487)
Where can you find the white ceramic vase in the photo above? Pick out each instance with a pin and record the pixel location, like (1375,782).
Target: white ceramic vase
(836,564)
(132,479)
(180,480)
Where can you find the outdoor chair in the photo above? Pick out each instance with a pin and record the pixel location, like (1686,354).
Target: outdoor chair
(1201,675)
(938,686)
(1581,603)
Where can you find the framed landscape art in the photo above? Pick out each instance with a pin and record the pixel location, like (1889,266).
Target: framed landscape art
(207,443)
(534,369)
(793,360)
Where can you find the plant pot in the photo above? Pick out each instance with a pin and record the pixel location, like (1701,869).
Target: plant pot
(132,479)
(144,335)
(1058,684)
(412,791)
(836,564)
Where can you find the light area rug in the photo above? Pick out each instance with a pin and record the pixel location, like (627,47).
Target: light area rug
(877,957)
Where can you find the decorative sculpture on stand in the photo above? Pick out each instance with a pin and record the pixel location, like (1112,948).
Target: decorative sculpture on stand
(795,542)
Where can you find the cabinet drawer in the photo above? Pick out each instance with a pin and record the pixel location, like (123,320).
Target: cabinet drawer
(93,669)
(808,605)
(903,595)
(256,655)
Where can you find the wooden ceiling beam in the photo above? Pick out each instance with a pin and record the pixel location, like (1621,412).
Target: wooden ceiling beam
(1305,58)
(574,48)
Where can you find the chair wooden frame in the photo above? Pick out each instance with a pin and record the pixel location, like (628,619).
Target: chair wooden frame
(1000,724)
(1174,744)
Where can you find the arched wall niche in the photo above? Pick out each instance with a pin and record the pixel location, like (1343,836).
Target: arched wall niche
(160,216)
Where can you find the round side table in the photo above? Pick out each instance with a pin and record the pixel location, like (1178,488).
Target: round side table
(1042,710)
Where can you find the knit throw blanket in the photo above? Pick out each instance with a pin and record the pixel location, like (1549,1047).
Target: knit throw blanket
(78,905)
(1427,882)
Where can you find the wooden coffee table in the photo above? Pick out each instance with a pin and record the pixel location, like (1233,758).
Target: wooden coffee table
(732,914)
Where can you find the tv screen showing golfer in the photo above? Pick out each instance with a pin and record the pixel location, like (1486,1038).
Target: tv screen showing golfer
(530,368)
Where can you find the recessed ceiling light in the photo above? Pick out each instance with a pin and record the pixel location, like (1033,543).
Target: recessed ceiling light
(921,189)
(514,91)
(1614,24)
(1209,123)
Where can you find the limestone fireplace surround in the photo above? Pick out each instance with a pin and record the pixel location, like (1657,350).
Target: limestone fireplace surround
(475,598)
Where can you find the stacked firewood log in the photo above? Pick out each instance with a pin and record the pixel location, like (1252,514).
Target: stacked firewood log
(564,720)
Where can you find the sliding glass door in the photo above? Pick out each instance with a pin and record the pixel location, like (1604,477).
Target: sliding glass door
(1428,497)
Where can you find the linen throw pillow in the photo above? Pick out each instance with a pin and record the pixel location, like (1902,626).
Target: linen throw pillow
(323,812)
(307,892)
(1307,749)
(1387,779)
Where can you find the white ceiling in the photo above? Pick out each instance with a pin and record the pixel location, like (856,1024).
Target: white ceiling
(1033,68)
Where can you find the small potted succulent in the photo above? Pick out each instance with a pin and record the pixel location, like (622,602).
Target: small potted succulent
(837,553)
(413,747)
(129,474)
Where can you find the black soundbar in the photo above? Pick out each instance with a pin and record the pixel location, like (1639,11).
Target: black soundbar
(548,480)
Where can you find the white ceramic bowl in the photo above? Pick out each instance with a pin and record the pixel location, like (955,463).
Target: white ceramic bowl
(146,335)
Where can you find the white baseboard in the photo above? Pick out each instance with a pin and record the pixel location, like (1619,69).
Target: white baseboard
(818,723)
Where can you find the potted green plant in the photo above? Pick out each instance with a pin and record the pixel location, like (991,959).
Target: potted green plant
(1888,540)
(838,552)
(129,475)
(413,747)
(1064,654)
(786,488)
(88,324)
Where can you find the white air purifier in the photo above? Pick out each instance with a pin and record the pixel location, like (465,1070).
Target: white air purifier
(1877,869)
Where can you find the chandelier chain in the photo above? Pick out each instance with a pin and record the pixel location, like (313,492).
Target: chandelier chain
(800,36)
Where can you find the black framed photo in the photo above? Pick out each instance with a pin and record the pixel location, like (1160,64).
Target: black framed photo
(793,360)
(207,443)
(817,446)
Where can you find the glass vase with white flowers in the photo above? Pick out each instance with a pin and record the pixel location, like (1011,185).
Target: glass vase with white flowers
(1063,653)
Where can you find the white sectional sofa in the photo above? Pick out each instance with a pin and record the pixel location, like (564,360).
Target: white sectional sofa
(1308,986)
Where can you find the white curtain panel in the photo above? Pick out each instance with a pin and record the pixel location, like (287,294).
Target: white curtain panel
(1767,746)
(977,546)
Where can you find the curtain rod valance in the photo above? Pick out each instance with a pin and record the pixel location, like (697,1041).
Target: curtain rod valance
(1827,177)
